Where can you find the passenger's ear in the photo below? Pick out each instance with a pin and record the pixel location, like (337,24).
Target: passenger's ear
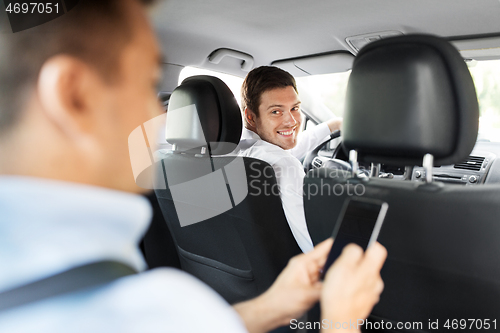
(250,117)
(70,93)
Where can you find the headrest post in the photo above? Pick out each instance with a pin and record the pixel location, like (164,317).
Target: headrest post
(175,149)
(375,170)
(428,164)
(203,152)
(353,159)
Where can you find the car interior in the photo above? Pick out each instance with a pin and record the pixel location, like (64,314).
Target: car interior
(421,132)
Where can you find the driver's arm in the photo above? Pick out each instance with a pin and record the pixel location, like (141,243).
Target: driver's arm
(311,138)
(334,124)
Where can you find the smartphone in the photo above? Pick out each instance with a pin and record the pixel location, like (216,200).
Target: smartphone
(359,222)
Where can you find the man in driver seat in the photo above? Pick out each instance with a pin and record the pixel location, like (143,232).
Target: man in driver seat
(272,118)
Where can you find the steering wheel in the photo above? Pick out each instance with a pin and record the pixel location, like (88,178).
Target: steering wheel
(314,160)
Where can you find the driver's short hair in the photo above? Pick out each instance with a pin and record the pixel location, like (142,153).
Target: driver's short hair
(95,31)
(260,80)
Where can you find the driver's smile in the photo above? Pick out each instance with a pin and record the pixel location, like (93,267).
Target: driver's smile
(288,133)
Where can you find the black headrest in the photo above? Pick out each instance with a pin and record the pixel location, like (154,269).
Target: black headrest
(408,96)
(202,111)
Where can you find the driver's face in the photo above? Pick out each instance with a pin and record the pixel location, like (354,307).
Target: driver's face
(279,117)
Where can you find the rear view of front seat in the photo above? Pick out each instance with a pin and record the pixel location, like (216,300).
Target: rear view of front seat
(229,231)
(408,97)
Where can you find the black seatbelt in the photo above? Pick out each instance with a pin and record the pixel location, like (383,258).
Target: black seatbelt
(72,280)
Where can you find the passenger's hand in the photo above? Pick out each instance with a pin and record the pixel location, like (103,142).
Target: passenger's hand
(294,292)
(353,284)
(299,286)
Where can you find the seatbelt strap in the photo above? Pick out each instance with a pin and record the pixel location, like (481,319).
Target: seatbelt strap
(72,280)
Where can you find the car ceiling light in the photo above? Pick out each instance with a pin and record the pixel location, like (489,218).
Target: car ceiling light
(356,43)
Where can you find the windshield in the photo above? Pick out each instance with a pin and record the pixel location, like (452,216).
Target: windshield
(330,89)
(324,95)
(233,82)
(486,75)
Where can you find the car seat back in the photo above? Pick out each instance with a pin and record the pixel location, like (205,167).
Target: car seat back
(410,97)
(228,230)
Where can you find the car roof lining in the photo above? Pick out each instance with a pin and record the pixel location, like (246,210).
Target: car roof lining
(190,31)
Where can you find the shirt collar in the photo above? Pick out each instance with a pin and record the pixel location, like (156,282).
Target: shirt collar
(249,135)
(249,138)
(49,226)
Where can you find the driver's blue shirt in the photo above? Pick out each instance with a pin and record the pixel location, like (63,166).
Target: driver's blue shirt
(47,227)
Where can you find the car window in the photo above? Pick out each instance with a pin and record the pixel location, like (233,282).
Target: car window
(233,82)
(486,75)
(328,89)
(310,90)
(323,96)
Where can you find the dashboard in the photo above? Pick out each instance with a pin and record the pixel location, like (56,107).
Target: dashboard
(472,171)
(481,167)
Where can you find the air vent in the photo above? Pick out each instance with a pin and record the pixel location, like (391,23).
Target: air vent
(472,163)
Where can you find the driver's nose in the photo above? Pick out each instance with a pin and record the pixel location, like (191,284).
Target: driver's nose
(289,120)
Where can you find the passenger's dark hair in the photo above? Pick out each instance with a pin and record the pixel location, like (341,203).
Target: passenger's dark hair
(260,80)
(95,31)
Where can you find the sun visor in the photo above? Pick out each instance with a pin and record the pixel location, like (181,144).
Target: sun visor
(479,48)
(317,64)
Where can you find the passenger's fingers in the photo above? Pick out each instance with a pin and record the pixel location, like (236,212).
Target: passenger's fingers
(375,257)
(320,252)
(376,290)
(351,255)
(380,286)
(316,289)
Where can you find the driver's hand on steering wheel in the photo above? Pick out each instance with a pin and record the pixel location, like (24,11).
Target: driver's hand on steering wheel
(335,124)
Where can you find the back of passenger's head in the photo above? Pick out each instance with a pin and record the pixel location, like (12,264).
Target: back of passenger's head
(260,80)
(95,32)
